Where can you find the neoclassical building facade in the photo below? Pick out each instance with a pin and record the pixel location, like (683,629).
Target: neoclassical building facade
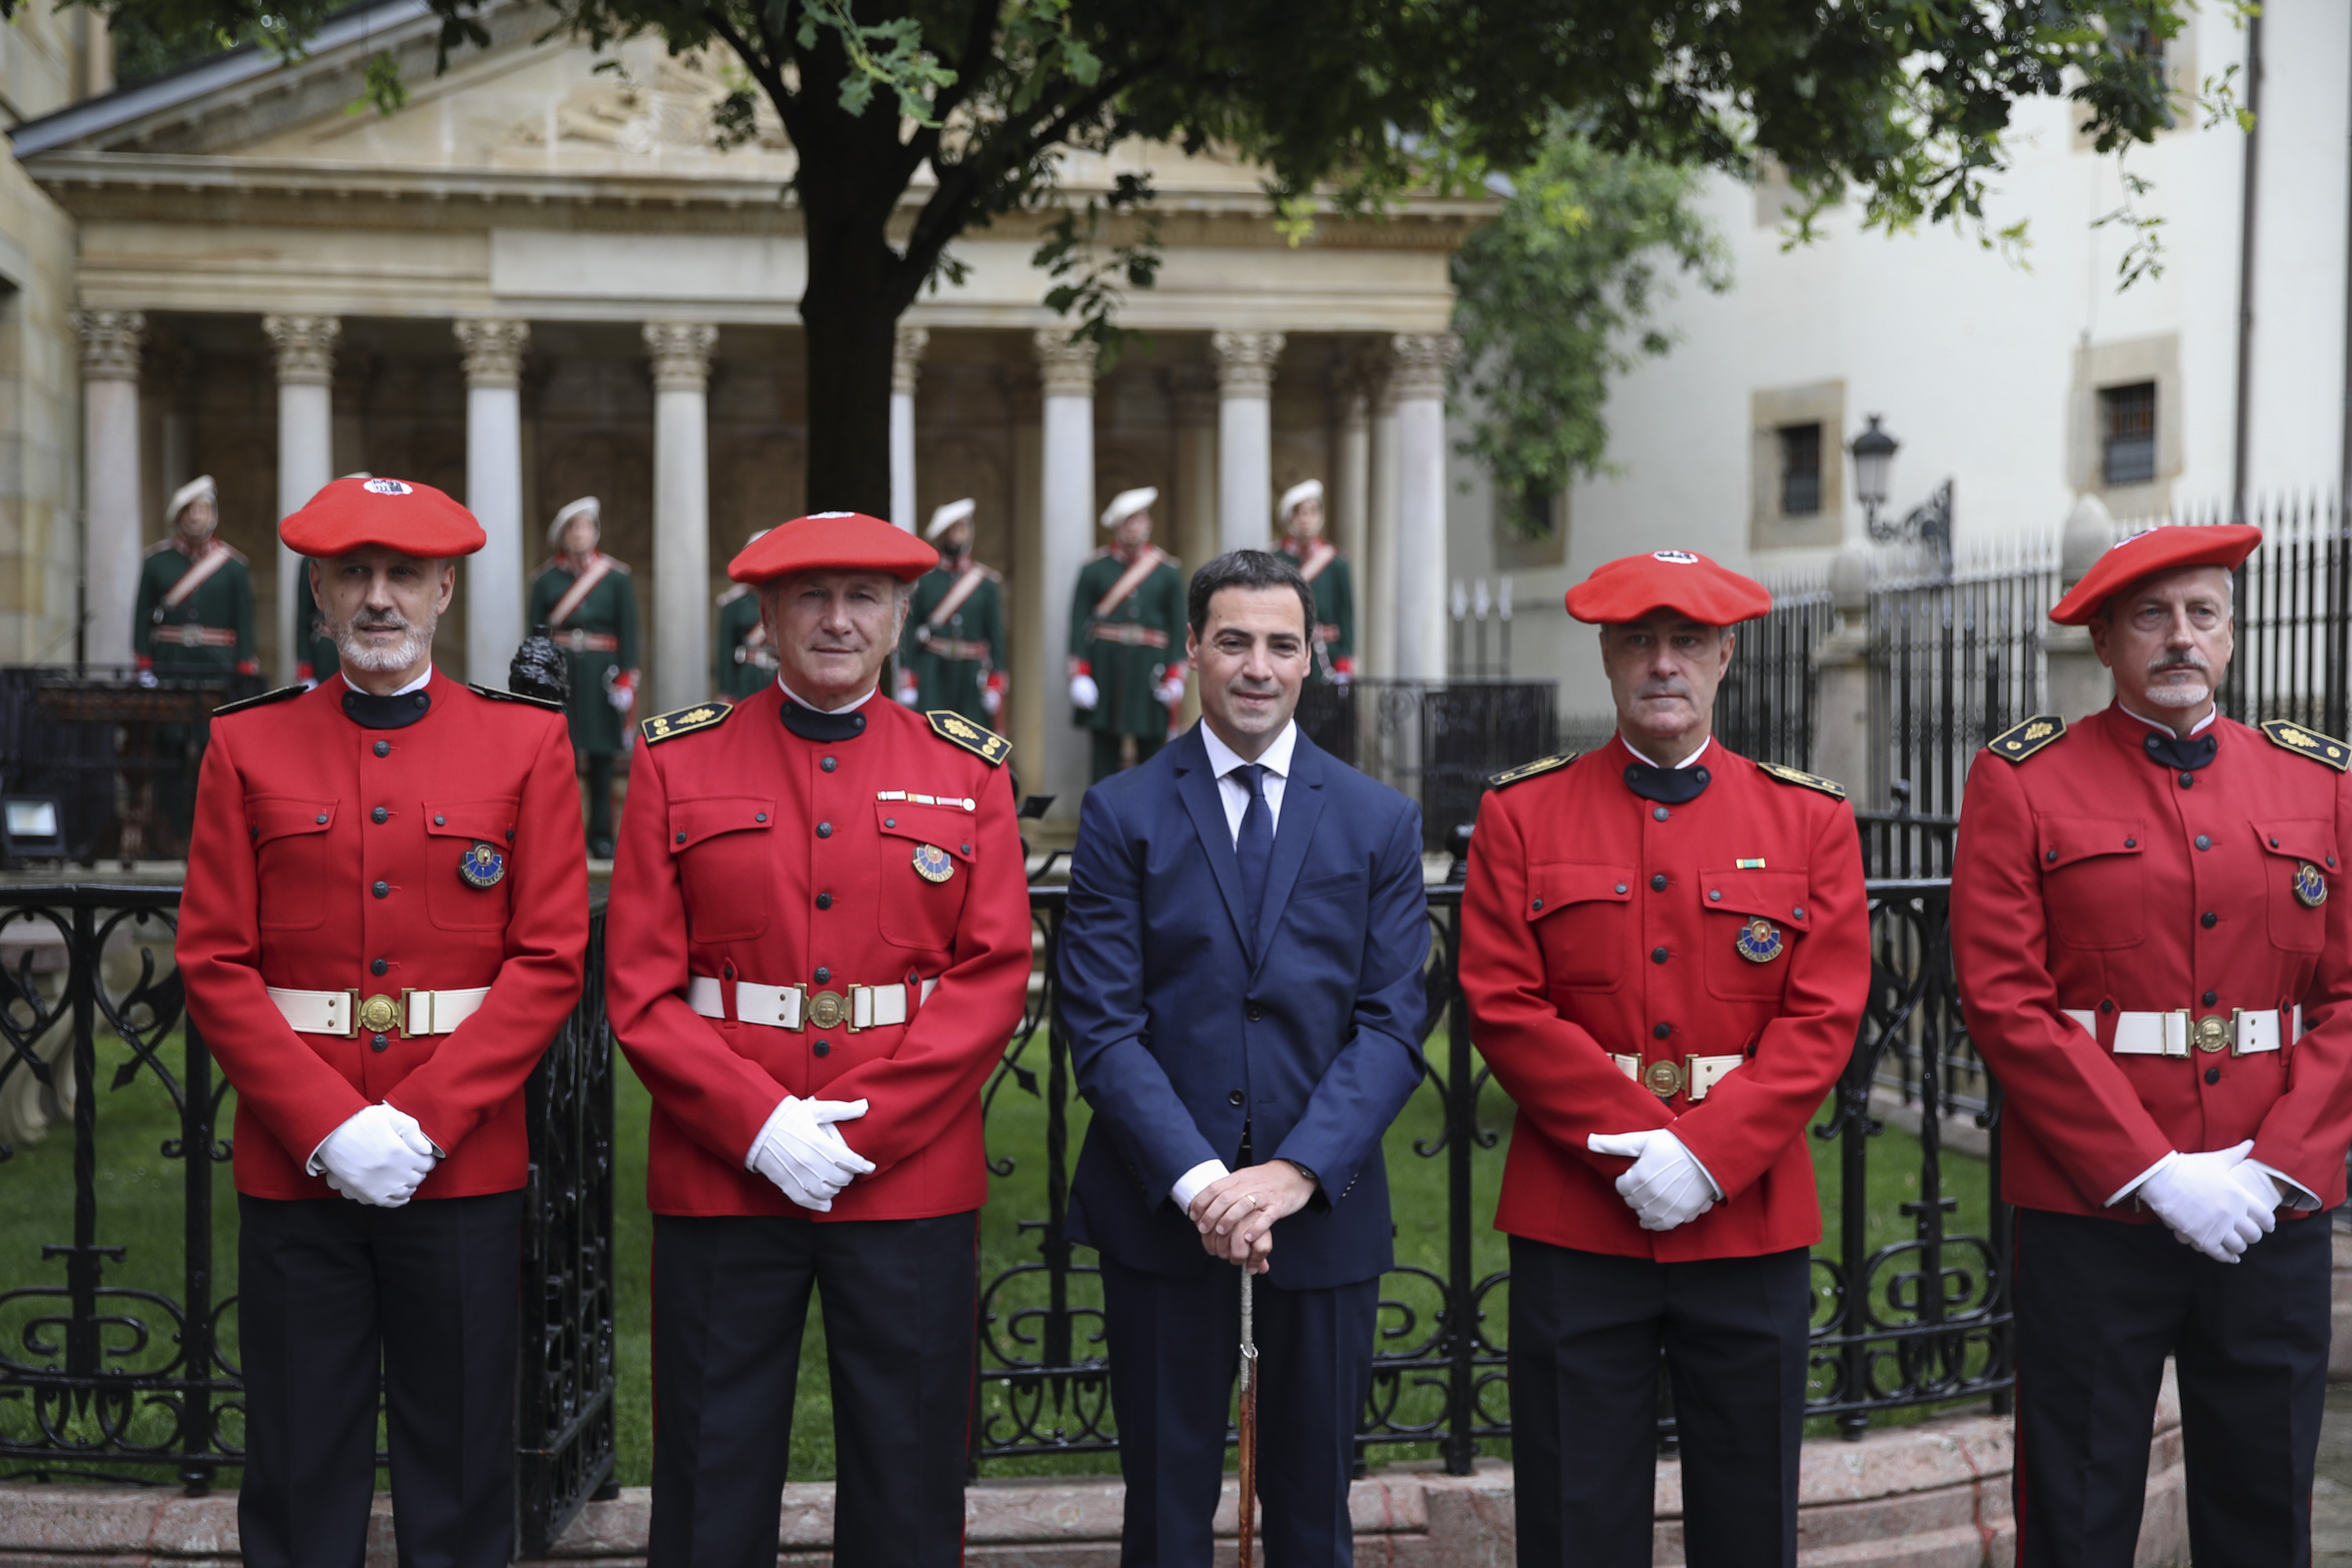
(541,280)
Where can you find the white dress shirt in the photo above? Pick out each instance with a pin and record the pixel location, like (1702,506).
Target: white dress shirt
(845,708)
(1227,763)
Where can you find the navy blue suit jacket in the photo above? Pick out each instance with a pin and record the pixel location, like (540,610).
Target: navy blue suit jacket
(1179,1031)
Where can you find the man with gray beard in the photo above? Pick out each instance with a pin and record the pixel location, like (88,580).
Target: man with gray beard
(385,924)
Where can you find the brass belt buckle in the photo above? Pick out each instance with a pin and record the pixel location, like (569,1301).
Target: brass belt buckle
(1663,1078)
(827,1009)
(2213,1032)
(377,1014)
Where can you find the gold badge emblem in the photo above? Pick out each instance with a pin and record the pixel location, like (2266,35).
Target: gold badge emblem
(2310,887)
(826,1010)
(1664,1079)
(2211,1032)
(933,864)
(482,866)
(378,1012)
(1758,942)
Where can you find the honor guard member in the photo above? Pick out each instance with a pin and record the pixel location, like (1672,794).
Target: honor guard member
(584,597)
(745,661)
(1665,948)
(1127,638)
(385,924)
(820,943)
(1300,513)
(316,656)
(2148,921)
(195,614)
(952,654)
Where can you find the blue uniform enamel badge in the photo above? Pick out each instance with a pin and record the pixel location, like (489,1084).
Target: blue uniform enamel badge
(933,864)
(482,866)
(1758,942)
(2310,887)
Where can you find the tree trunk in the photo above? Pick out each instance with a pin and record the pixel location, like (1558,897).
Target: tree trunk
(851,316)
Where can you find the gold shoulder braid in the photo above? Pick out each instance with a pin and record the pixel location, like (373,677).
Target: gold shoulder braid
(1800,777)
(2019,741)
(2323,748)
(958,730)
(1530,770)
(684,721)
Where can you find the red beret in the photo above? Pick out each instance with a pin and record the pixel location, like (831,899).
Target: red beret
(354,512)
(1681,580)
(834,541)
(2143,554)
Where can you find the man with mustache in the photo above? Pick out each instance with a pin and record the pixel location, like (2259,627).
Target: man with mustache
(385,922)
(1666,952)
(2157,966)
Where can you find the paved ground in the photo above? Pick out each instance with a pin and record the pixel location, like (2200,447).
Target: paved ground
(2331,1498)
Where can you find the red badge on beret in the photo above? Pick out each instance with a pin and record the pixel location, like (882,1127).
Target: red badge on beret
(396,514)
(834,541)
(2145,554)
(1679,580)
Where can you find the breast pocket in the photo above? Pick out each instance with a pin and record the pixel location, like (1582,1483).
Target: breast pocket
(1755,924)
(928,854)
(469,850)
(2093,880)
(1578,912)
(289,846)
(2299,868)
(721,850)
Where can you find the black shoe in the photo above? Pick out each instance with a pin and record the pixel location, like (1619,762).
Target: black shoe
(600,849)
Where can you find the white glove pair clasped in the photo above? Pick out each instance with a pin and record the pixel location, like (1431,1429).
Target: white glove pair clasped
(2214,1201)
(377,1157)
(1667,1186)
(803,1153)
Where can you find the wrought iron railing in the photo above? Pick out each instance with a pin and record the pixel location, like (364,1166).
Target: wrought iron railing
(1435,740)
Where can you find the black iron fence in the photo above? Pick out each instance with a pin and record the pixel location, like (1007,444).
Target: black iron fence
(1436,741)
(1765,707)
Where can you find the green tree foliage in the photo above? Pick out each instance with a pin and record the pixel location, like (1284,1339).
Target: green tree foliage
(1555,297)
(1347,103)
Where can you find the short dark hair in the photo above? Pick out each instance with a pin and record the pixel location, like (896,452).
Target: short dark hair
(1247,569)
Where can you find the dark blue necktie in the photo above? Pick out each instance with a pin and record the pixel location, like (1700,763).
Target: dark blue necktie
(1254,846)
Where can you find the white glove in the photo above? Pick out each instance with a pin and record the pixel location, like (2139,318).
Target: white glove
(1084,693)
(621,697)
(802,1154)
(147,677)
(1170,691)
(370,1159)
(911,694)
(991,700)
(2207,1206)
(1666,1186)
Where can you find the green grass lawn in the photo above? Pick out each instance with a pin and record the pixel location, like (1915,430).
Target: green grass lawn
(139,1209)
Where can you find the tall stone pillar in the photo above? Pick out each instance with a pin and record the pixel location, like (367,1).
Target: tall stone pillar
(1036,667)
(2079,683)
(681,641)
(1193,399)
(1420,376)
(496,586)
(1351,464)
(1245,363)
(110,494)
(906,364)
(1376,618)
(1066,373)
(1842,661)
(305,450)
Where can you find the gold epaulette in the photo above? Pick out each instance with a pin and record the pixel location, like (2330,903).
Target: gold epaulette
(1509,777)
(500,694)
(958,730)
(2019,741)
(2325,750)
(684,721)
(283,694)
(1805,779)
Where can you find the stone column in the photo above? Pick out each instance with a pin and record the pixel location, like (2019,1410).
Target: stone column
(1066,372)
(1841,709)
(1376,618)
(306,448)
(496,585)
(906,364)
(1348,514)
(1245,363)
(1036,667)
(681,641)
(109,496)
(2079,683)
(1192,535)
(1420,380)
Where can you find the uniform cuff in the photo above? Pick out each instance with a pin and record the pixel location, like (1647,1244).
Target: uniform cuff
(2129,1188)
(2305,1199)
(1188,1185)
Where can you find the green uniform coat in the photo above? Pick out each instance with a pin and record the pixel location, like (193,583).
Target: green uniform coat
(951,662)
(744,662)
(610,610)
(1335,610)
(222,604)
(1127,674)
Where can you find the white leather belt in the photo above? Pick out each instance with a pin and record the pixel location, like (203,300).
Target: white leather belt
(343,1013)
(2179,1034)
(1691,1076)
(796,1007)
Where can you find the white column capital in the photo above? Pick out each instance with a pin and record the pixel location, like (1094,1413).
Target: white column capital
(492,350)
(1245,361)
(111,341)
(1351,399)
(681,355)
(906,357)
(306,347)
(1419,364)
(1192,395)
(1067,368)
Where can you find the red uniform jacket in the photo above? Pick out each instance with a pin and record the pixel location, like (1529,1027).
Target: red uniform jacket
(325,858)
(1594,920)
(748,852)
(2088,877)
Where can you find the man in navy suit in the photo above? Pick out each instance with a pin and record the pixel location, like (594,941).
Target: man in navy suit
(1241,974)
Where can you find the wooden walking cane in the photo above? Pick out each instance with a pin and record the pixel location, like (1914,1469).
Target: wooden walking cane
(1248,1421)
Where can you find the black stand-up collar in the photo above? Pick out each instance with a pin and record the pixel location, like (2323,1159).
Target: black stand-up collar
(811,725)
(372,713)
(2182,757)
(1668,786)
